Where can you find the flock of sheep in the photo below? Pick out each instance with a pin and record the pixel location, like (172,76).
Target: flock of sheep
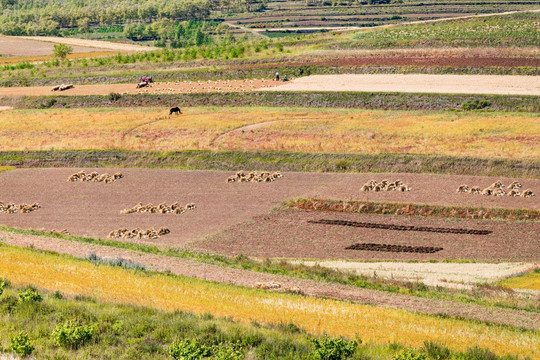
(497,189)
(11,208)
(385,185)
(95,177)
(162,208)
(241,176)
(138,233)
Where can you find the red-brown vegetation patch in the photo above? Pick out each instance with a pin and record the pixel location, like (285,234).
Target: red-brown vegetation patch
(403,60)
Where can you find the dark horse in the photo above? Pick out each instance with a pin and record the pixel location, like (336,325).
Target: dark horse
(175,110)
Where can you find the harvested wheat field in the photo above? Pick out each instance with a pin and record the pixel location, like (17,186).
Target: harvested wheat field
(152,88)
(94,209)
(486,134)
(455,84)
(43,45)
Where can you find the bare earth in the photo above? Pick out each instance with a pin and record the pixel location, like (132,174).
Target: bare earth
(451,275)
(309,287)
(16,46)
(93,209)
(43,45)
(154,88)
(289,234)
(419,83)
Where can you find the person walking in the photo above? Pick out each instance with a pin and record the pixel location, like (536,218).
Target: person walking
(277,75)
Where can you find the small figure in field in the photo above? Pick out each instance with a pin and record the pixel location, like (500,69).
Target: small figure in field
(175,110)
(277,75)
(285,78)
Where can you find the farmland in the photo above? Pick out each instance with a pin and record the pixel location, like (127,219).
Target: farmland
(502,135)
(382,204)
(116,284)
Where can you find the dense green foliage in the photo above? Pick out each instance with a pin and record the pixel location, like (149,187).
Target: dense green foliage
(20,344)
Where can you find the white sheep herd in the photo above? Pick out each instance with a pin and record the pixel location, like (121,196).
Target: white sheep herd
(385,185)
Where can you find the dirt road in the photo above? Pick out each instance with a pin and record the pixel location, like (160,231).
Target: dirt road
(417,83)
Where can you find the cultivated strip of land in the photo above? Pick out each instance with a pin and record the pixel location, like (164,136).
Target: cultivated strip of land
(211,272)
(418,83)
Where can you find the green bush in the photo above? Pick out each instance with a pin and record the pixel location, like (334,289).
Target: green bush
(436,351)
(409,354)
(477,353)
(30,295)
(227,351)
(2,286)
(189,350)
(49,103)
(21,345)
(71,335)
(114,96)
(326,348)
(475,104)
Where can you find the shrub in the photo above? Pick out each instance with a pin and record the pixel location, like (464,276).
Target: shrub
(436,351)
(477,353)
(2,286)
(189,350)
(48,104)
(326,348)
(475,104)
(71,335)
(227,351)
(114,96)
(30,295)
(21,345)
(409,354)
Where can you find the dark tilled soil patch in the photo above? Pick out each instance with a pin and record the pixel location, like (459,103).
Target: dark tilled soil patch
(210,272)
(289,233)
(93,209)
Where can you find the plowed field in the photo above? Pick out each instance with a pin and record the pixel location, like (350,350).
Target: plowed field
(93,209)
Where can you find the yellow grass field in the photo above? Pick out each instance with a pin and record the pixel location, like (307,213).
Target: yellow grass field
(377,325)
(530,281)
(491,134)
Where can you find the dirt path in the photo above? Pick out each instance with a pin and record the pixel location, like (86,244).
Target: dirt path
(256,126)
(417,83)
(309,287)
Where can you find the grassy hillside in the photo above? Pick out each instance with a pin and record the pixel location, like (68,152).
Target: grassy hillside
(103,282)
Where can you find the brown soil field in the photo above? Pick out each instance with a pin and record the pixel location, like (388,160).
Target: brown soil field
(240,277)
(287,232)
(93,209)
(154,88)
(18,46)
(423,83)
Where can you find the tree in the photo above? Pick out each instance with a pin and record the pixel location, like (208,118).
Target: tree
(62,50)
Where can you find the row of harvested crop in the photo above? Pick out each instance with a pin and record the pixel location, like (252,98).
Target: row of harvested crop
(162,208)
(385,185)
(12,208)
(497,189)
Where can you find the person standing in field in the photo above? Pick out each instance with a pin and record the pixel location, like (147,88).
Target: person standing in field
(277,75)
